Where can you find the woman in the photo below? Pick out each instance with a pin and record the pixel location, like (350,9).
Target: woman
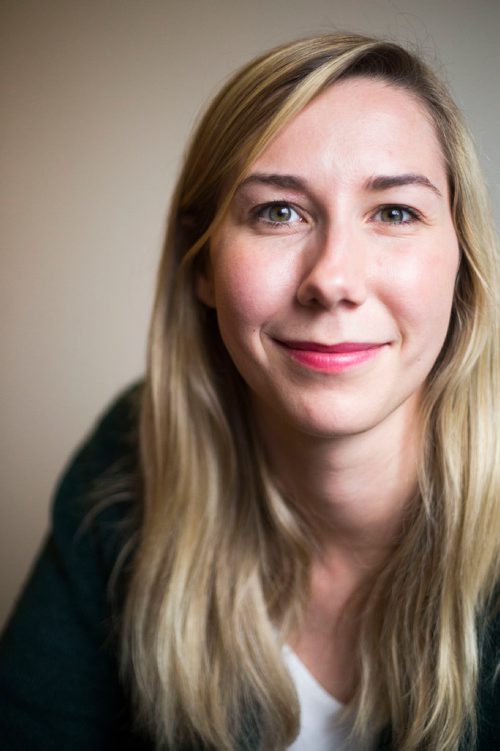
(312,556)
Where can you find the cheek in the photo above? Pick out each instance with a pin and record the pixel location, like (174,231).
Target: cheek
(248,290)
(426,291)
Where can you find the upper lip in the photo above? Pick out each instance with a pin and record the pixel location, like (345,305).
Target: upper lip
(338,348)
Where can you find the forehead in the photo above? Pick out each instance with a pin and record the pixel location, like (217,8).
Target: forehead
(359,125)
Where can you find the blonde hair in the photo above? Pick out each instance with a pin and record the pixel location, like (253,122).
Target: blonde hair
(221,567)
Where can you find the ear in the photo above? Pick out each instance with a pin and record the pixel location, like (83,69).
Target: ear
(204,282)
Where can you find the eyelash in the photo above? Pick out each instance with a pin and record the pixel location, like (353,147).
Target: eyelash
(258,214)
(414,216)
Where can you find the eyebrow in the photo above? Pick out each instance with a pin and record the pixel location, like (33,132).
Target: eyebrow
(380,182)
(384,182)
(281,181)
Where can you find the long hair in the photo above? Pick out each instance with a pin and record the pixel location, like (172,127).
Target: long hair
(221,569)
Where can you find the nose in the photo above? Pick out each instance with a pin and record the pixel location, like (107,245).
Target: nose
(335,271)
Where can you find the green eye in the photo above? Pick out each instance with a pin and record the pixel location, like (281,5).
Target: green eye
(396,215)
(279,213)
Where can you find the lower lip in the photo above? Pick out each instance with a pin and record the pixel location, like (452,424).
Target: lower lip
(333,362)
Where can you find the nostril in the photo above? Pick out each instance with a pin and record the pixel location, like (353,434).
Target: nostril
(329,288)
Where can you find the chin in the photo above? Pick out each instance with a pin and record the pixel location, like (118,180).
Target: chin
(328,423)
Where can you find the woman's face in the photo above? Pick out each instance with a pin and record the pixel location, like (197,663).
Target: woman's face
(333,272)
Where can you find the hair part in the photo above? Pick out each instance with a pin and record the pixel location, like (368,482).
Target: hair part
(222,566)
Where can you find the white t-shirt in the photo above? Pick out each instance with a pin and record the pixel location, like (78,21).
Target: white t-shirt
(320,726)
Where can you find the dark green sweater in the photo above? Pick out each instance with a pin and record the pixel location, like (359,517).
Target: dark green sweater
(59,678)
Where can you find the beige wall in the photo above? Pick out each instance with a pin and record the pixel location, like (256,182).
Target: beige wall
(97,101)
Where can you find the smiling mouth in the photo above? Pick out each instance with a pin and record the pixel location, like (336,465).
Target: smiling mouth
(331,358)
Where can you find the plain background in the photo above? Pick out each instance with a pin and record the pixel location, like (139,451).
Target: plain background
(98,98)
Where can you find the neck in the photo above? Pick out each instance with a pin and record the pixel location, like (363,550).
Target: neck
(353,490)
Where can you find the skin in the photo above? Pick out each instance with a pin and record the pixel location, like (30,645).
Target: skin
(340,232)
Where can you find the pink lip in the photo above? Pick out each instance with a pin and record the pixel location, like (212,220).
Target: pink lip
(331,358)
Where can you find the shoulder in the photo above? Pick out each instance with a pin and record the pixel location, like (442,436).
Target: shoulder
(111,445)
(100,490)
(58,655)
(488,711)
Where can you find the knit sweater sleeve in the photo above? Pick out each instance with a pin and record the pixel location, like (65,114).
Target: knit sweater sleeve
(59,678)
